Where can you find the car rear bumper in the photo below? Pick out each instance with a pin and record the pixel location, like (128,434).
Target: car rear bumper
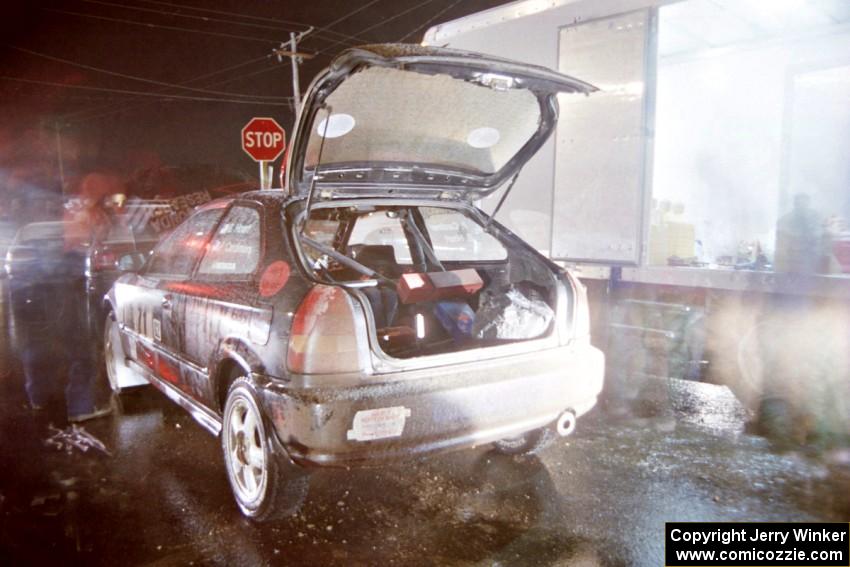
(432,410)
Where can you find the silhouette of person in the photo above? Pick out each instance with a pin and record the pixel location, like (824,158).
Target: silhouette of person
(801,239)
(55,330)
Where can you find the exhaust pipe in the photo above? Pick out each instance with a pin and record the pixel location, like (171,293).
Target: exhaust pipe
(566,423)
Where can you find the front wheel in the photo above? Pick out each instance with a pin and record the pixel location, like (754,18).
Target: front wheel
(112,352)
(528,443)
(262,487)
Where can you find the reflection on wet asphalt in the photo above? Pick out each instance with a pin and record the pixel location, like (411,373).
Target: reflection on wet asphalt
(600,497)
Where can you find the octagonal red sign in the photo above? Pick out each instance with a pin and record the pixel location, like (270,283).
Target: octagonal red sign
(263,139)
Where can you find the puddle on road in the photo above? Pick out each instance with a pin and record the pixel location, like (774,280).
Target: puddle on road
(708,405)
(703,454)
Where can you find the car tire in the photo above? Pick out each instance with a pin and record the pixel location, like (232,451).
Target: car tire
(264,487)
(112,351)
(529,443)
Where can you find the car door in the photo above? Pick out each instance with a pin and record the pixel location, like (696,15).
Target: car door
(218,307)
(147,302)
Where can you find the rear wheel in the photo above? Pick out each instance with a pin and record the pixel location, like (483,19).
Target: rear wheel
(264,487)
(528,443)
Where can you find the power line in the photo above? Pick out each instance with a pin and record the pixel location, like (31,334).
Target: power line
(192,16)
(138,93)
(260,71)
(141,104)
(276,66)
(400,14)
(140,79)
(244,76)
(323,29)
(160,26)
(348,15)
(226,69)
(338,20)
(381,23)
(192,80)
(101,98)
(431,20)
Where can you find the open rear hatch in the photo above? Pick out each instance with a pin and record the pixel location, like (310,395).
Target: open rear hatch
(405,120)
(423,132)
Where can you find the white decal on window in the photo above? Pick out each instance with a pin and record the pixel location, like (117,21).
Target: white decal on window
(336,125)
(482,138)
(224,266)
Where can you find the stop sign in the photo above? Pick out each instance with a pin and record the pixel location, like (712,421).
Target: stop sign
(263,139)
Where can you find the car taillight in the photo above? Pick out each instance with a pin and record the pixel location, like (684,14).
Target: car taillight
(581,330)
(328,334)
(575,325)
(103,260)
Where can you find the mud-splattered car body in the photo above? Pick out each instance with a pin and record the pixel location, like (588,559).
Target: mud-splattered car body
(190,335)
(292,301)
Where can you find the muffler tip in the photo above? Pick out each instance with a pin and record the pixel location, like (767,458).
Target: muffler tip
(566,423)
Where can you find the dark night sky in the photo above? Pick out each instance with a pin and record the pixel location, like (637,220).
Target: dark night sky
(226,42)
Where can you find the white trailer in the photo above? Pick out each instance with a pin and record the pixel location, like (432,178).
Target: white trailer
(583,196)
(701,194)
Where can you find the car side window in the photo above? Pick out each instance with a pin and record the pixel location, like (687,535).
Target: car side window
(235,248)
(178,252)
(457,238)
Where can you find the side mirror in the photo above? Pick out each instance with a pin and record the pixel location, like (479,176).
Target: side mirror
(131,262)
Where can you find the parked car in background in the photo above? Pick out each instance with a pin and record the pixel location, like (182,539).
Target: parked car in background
(7,235)
(157,200)
(170,181)
(127,234)
(370,312)
(36,250)
(37,265)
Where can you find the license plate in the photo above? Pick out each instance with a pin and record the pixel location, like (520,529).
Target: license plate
(380,423)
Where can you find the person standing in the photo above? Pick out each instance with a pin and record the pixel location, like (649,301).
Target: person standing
(802,244)
(57,339)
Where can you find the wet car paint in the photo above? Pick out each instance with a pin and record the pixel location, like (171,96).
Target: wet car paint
(213,329)
(209,320)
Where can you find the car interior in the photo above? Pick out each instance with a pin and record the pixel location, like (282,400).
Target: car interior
(443,282)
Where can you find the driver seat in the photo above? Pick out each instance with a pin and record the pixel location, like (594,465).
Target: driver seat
(381,258)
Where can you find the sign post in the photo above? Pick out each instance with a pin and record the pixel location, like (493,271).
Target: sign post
(264,140)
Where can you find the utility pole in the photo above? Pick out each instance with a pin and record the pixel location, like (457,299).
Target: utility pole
(296,87)
(59,159)
(290,49)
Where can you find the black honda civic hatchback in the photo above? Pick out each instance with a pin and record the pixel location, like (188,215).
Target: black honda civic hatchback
(369,311)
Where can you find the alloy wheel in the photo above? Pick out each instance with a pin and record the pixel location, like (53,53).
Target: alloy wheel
(246,454)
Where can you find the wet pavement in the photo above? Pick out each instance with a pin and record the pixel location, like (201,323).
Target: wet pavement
(600,497)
